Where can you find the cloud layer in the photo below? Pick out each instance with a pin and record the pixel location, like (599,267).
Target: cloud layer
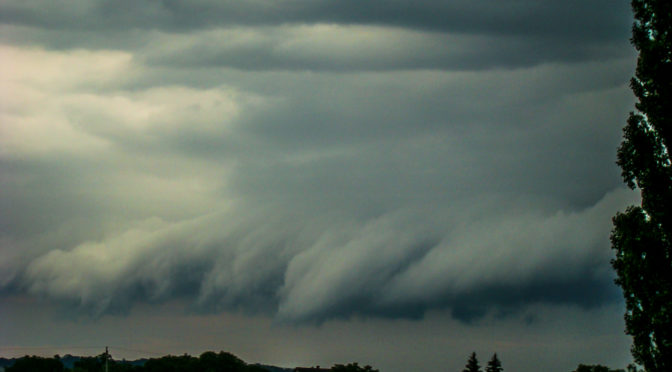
(311,160)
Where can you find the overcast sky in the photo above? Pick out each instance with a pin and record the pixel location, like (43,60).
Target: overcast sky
(303,182)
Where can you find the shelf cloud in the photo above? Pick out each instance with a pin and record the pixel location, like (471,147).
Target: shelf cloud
(312,161)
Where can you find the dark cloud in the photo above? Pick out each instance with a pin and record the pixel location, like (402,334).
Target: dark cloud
(366,48)
(331,35)
(303,266)
(601,19)
(312,160)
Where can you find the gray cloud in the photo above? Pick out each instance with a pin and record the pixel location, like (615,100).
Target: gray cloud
(310,161)
(317,267)
(600,19)
(366,48)
(330,35)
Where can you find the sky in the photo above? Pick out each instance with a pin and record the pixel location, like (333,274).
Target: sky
(309,182)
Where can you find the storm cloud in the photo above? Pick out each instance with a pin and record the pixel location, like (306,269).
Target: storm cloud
(312,160)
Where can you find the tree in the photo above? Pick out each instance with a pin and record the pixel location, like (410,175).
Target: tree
(90,364)
(595,368)
(472,364)
(494,365)
(220,362)
(642,235)
(352,367)
(36,364)
(170,363)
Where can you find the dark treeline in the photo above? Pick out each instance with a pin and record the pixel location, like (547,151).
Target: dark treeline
(206,362)
(495,365)
(220,362)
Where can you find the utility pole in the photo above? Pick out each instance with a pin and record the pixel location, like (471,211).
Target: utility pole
(107,357)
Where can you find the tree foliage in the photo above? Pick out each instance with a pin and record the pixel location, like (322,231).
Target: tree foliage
(472,364)
(494,365)
(352,367)
(35,363)
(206,362)
(170,363)
(90,364)
(642,235)
(595,368)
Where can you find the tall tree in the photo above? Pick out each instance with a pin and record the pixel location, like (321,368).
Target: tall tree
(494,365)
(642,235)
(472,364)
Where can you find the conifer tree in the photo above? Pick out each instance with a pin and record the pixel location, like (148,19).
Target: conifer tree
(472,364)
(494,365)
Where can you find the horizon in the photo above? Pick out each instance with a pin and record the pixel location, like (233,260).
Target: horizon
(153,355)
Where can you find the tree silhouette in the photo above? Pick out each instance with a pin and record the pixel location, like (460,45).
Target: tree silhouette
(494,365)
(472,364)
(595,368)
(89,364)
(170,363)
(642,235)
(36,364)
(352,367)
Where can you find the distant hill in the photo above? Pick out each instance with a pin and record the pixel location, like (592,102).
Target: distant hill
(136,362)
(67,360)
(70,360)
(206,361)
(274,368)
